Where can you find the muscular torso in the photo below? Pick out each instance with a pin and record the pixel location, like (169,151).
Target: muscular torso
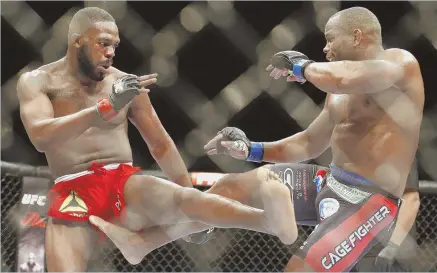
(105,144)
(367,141)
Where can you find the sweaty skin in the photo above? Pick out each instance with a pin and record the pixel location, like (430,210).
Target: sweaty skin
(371,118)
(67,96)
(376,134)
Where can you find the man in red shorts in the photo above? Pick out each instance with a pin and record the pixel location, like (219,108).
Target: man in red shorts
(75,110)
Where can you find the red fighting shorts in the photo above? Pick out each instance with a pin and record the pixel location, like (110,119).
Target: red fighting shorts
(98,191)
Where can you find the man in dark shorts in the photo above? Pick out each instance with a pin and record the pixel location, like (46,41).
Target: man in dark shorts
(371,121)
(76,109)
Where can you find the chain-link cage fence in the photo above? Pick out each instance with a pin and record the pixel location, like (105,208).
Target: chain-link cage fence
(426,230)
(229,250)
(11,189)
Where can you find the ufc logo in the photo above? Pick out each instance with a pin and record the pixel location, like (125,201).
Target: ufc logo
(30,199)
(118,203)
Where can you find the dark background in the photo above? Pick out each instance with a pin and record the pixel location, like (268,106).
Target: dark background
(224,64)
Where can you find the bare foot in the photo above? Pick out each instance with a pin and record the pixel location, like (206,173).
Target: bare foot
(129,243)
(278,207)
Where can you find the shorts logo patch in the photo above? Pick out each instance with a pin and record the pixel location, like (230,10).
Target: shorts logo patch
(288,180)
(319,179)
(327,207)
(118,203)
(74,205)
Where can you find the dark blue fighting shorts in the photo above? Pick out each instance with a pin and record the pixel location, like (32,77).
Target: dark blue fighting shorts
(351,214)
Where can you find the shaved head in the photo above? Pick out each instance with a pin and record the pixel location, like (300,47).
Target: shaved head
(352,34)
(86,18)
(358,18)
(93,36)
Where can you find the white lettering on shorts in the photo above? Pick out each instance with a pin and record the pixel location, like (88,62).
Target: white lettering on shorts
(118,203)
(346,246)
(348,193)
(327,207)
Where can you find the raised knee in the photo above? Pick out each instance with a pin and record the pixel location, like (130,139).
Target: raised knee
(226,184)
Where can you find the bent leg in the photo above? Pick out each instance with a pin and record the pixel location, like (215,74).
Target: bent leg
(68,245)
(156,201)
(152,201)
(136,245)
(247,188)
(241,187)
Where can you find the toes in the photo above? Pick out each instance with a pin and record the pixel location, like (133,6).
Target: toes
(263,174)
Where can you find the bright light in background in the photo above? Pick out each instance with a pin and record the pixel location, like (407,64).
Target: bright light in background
(166,70)
(324,10)
(283,37)
(165,43)
(192,18)
(222,7)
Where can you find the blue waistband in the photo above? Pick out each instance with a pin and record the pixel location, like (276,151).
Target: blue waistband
(348,177)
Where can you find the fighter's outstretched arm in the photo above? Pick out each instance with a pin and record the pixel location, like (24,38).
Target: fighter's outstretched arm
(299,147)
(353,77)
(348,77)
(37,114)
(161,146)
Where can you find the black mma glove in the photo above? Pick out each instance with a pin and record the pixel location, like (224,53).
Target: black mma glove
(123,91)
(253,151)
(200,237)
(294,61)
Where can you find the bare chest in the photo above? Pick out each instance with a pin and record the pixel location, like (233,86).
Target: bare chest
(68,98)
(353,108)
